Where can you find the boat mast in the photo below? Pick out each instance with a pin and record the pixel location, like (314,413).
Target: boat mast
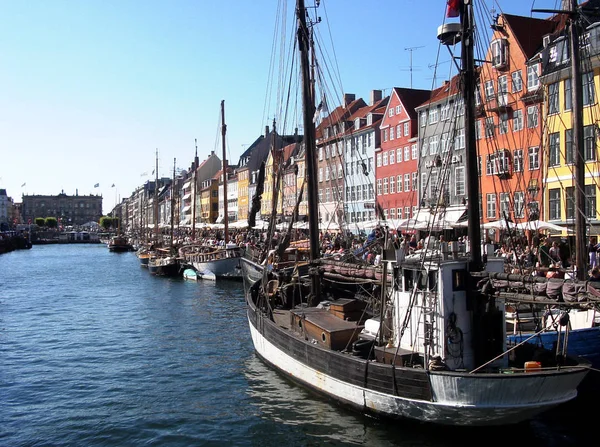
(225,212)
(468,69)
(195,191)
(578,143)
(310,147)
(156,198)
(173,200)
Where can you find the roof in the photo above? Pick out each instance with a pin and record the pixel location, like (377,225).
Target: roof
(450,88)
(529,32)
(412,98)
(261,150)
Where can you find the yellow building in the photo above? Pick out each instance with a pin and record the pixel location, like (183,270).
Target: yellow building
(559,150)
(243,183)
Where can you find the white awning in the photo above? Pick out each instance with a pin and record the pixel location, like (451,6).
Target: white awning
(186,209)
(186,196)
(186,185)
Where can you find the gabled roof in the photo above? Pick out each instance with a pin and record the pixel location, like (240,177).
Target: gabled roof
(529,32)
(261,150)
(411,99)
(338,115)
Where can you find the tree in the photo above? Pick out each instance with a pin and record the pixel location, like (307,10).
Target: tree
(106,222)
(39,221)
(51,222)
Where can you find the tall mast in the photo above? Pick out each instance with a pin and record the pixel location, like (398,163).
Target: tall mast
(468,68)
(195,190)
(310,147)
(578,143)
(156,199)
(173,200)
(225,212)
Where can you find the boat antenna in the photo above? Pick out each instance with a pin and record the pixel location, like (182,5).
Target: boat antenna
(195,164)
(156,198)
(225,212)
(173,200)
(310,149)
(468,81)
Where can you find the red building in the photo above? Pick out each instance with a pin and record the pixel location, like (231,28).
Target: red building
(396,160)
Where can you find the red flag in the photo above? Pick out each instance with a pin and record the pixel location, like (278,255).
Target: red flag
(452,9)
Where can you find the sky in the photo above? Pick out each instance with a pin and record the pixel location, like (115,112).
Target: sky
(90,89)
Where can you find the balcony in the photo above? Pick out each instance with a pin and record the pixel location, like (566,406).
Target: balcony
(533,97)
(499,104)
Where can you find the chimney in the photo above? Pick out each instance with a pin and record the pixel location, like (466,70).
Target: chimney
(375,96)
(76,192)
(266,131)
(348,98)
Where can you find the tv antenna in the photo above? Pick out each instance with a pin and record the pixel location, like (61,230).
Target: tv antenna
(411,49)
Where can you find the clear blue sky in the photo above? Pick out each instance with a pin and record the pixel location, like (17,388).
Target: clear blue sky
(89,89)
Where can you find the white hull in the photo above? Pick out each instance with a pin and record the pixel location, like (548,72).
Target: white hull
(458,398)
(221,268)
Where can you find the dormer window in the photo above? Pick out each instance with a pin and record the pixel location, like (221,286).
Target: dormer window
(499,53)
(533,80)
(357,124)
(369,119)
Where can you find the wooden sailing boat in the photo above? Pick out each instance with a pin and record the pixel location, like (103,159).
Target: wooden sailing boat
(119,242)
(432,347)
(164,262)
(216,261)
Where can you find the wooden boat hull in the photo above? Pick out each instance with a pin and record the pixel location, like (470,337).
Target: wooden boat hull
(167,269)
(447,398)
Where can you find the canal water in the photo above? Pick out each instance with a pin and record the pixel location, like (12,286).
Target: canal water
(94,351)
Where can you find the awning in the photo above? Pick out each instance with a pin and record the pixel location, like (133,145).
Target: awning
(186,196)
(186,185)
(186,208)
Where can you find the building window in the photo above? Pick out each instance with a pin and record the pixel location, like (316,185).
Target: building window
(532,117)
(569,154)
(504,205)
(393,184)
(503,124)
(399,155)
(378,158)
(320,174)
(553,104)
(459,181)
(398,131)
(423,185)
(533,80)
(385,159)
(385,134)
(554,149)
(568,94)
(406,182)
(459,140)
(491,206)
(489,127)
(589,142)
(392,213)
(391,112)
(519,204)
(478,133)
(406,153)
(392,157)
(554,204)
(518,160)
(423,118)
(379,187)
(534,157)
(399,182)
(569,203)
(445,142)
(385,185)
(589,96)
(499,53)
(415,151)
(407,212)
(415,177)
(433,180)
(406,129)
(517,120)
(398,109)
(502,90)
(434,115)
(590,201)
(517,81)
(392,133)
(489,90)
(433,144)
